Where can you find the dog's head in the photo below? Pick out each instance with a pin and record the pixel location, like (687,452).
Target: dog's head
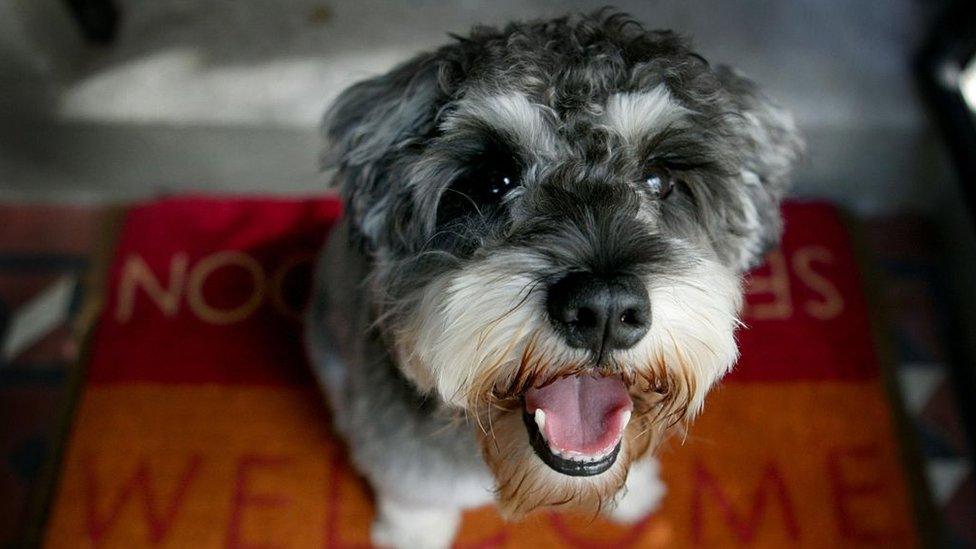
(558,215)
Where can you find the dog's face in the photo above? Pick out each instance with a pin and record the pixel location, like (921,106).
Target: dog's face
(558,215)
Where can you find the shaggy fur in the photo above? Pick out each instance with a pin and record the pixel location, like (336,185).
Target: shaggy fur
(475,177)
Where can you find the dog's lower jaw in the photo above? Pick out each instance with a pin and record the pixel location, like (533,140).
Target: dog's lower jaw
(525,483)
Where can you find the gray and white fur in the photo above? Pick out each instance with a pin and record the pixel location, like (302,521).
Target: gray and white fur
(477,177)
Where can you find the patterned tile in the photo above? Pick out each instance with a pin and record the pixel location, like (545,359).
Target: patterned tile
(906,253)
(43,255)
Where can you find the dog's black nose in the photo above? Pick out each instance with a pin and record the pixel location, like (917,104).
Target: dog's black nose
(600,313)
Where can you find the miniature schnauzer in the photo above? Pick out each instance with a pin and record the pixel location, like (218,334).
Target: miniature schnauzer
(537,278)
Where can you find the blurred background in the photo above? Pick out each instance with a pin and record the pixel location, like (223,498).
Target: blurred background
(225,95)
(107,101)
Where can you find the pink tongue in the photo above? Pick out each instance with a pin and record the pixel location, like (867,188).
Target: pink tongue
(583,414)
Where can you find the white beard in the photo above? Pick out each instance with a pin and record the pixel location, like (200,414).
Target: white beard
(476,323)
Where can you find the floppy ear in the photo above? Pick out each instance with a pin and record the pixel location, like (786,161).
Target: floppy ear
(369,127)
(770,147)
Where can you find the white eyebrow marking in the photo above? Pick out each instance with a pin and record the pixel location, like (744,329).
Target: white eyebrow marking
(636,115)
(510,113)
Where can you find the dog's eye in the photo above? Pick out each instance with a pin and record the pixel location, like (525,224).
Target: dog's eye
(478,192)
(483,187)
(660,182)
(498,184)
(487,176)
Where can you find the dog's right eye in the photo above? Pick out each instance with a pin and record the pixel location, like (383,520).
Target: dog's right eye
(480,189)
(485,187)
(478,192)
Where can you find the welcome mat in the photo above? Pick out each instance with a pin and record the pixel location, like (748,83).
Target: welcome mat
(200,424)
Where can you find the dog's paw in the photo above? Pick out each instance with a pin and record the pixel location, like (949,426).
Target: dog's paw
(641,495)
(404,526)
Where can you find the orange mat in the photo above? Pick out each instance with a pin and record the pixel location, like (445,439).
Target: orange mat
(200,425)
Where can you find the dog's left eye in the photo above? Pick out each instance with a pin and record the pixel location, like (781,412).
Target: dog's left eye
(660,182)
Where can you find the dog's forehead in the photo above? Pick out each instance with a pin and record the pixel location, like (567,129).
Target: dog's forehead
(535,124)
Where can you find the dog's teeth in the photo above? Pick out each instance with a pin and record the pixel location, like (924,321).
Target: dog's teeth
(626,417)
(540,421)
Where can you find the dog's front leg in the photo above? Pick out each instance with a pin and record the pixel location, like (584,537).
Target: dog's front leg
(642,494)
(405,525)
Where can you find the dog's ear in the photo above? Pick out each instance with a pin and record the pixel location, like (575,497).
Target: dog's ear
(770,147)
(369,126)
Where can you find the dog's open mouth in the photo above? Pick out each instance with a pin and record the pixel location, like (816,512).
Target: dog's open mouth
(575,423)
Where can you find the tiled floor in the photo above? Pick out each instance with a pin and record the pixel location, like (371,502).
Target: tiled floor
(917,311)
(44,252)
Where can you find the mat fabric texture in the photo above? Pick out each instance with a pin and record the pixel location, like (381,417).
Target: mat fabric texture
(200,425)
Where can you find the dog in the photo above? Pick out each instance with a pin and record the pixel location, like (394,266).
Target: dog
(537,278)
